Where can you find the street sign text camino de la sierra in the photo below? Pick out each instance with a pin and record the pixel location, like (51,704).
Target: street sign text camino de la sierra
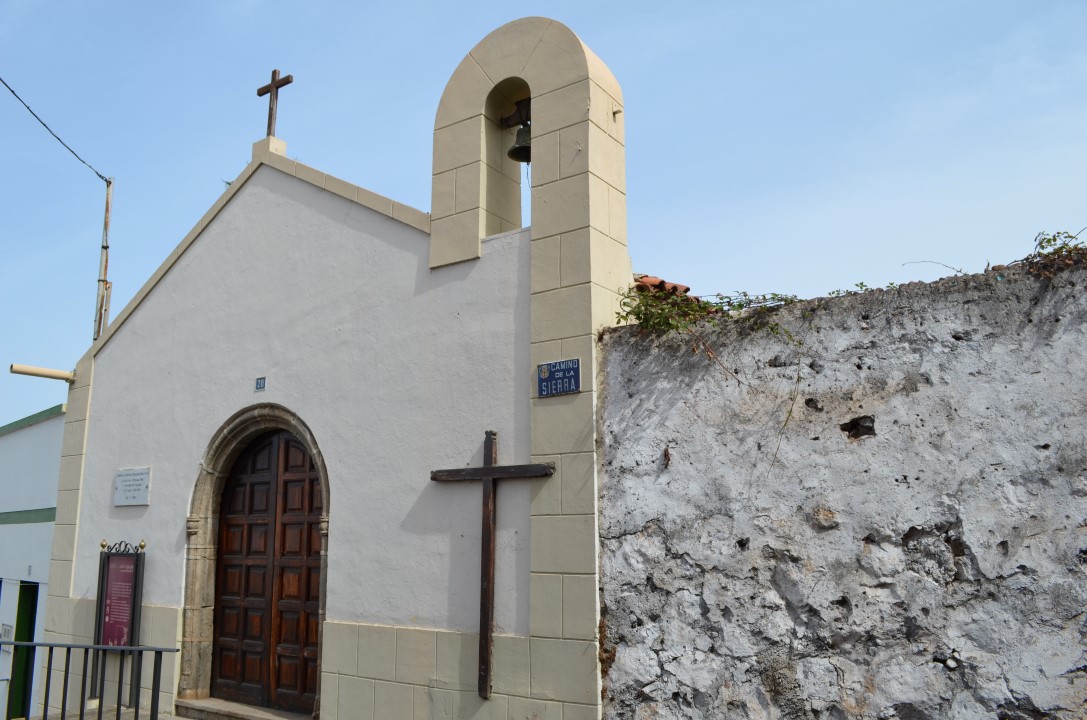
(558,378)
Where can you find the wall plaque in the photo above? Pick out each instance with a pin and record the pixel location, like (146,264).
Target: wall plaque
(558,378)
(132,486)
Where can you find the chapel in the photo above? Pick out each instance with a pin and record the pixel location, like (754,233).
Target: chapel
(350,495)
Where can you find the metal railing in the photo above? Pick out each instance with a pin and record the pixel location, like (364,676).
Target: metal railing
(89,685)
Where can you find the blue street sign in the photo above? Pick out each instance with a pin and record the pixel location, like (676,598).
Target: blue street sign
(559,378)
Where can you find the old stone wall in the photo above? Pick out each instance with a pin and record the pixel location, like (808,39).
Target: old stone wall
(874,508)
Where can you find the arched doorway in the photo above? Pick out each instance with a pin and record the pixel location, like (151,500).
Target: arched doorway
(236,438)
(268,577)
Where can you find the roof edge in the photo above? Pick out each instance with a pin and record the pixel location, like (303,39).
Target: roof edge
(406,214)
(38,417)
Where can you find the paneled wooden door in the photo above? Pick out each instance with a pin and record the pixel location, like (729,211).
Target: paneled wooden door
(268,577)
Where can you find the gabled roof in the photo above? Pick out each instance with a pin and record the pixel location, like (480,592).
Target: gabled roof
(270,151)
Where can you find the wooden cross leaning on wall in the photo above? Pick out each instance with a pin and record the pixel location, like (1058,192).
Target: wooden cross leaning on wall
(488,474)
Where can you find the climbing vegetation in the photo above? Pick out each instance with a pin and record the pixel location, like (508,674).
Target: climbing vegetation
(1054,252)
(661,312)
(658,311)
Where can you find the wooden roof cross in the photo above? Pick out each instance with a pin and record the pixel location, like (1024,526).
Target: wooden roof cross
(489,473)
(272,88)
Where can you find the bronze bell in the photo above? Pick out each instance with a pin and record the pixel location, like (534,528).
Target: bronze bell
(521,150)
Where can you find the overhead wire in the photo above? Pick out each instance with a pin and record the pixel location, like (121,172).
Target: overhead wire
(102,177)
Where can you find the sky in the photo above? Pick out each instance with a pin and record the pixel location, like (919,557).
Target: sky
(789,146)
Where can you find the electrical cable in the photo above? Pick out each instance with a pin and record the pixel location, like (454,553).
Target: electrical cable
(100,175)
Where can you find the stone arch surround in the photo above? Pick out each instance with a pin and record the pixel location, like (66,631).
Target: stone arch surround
(202,526)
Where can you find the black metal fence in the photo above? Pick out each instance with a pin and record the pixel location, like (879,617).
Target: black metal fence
(73,700)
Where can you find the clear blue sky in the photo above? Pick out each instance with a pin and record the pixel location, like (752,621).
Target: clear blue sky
(787,146)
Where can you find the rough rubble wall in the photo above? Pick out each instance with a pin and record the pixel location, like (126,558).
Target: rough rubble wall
(764,555)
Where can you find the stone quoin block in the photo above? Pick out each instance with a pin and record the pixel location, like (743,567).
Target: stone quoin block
(564,670)
(72,441)
(63,542)
(545,156)
(574,150)
(564,205)
(393,701)
(572,711)
(582,347)
(468,184)
(563,423)
(443,194)
(457,660)
(589,255)
(78,403)
(545,264)
(461,99)
(545,605)
(579,483)
(459,144)
(561,108)
(511,665)
(580,616)
(607,161)
(561,313)
(377,652)
(525,709)
(330,693)
(355,698)
(564,544)
(339,653)
(415,655)
(547,492)
(71,472)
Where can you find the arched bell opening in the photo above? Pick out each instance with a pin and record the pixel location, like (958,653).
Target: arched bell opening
(507,154)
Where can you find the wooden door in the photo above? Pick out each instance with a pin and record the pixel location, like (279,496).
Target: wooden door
(268,578)
(297,579)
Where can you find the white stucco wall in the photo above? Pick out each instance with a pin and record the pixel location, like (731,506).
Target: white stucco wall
(396,369)
(30,458)
(24,551)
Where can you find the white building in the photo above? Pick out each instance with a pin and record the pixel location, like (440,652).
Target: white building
(30,458)
(303,361)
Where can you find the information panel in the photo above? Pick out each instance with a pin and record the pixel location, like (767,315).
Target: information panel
(117,611)
(120,592)
(117,604)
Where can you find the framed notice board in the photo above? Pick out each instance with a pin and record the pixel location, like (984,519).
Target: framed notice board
(120,597)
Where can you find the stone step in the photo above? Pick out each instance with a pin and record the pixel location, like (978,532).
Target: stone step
(216,709)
